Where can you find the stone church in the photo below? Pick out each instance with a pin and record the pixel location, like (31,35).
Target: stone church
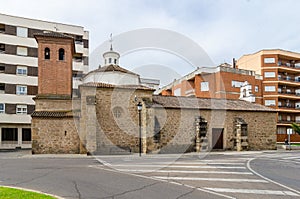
(115,113)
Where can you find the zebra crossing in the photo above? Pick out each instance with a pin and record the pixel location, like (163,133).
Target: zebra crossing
(229,177)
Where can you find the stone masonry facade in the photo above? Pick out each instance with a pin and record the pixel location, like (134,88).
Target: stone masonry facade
(177,129)
(56,135)
(106,121)
(111,123)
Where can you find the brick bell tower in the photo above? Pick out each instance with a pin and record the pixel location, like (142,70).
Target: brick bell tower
(55,55)
(53,121)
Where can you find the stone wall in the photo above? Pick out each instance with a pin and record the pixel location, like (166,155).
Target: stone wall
(54,135)
(177,130)
(53,104)
(111,122)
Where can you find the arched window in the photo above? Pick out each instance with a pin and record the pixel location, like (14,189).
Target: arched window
(47,53)
(115,61)
(109,60)
(61,54)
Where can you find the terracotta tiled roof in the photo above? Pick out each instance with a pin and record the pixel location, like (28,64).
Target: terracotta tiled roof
(112,67)
(205,103)
(104,85)
(53,114)
(53,34)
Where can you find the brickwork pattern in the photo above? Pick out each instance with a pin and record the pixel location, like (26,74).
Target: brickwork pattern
(55,76)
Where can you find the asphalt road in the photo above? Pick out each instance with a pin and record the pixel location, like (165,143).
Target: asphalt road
(217,175)
(283,168)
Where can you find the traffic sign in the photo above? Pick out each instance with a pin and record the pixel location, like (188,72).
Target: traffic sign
(289,131)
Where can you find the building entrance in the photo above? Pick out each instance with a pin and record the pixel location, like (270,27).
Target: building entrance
(217,138)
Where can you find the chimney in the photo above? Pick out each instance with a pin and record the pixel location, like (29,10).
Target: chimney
(233,63)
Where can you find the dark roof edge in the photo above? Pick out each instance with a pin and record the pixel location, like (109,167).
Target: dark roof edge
(217,109)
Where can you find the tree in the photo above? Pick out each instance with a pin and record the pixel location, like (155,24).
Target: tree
(296,128)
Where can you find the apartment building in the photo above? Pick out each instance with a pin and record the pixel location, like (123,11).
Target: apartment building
(19,73)
(280,70)
(223,82)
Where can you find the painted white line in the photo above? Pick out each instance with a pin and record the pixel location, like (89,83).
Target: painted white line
(226,163)
(177,183)
(196,163)
(253,191)
(104,162)
(211,179)
(263,177)
(189,186)
(226,160)
(293,157)
(182,171)
(161,180)
(215,193)
(179,166)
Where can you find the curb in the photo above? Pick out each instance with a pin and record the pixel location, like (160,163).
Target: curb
(56,156)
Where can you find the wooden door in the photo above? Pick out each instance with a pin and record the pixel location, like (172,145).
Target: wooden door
(217,138)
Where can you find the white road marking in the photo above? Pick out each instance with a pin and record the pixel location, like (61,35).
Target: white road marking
(180,166)
(211,179)
(277,183)
(183,171)
(226,160)
(104,162)
(196,163)
(177,183)
(253,191)
(215,193)
(161,180)
(293,157)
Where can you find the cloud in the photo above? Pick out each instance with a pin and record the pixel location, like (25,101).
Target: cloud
(224,28)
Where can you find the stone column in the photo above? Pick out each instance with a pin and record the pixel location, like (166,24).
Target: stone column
(91,128)
(88,119)
(238,138)
(19,136)
(197,134)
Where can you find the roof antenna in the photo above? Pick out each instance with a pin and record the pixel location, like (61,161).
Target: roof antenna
(111,40)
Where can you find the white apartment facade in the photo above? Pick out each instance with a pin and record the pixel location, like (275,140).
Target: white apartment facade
(19,73)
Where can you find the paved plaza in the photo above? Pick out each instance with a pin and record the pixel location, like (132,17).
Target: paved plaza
(212,175)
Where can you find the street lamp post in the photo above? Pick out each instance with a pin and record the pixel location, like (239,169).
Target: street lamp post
(139,108)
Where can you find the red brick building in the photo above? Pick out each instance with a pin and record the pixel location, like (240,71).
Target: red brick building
(218,82)
(280,70)
(274,76)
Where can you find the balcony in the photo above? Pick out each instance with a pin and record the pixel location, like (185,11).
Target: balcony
(288,106)
(290,79)
(289,65)
(289,93)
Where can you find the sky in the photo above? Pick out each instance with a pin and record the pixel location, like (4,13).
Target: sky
(224,29)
